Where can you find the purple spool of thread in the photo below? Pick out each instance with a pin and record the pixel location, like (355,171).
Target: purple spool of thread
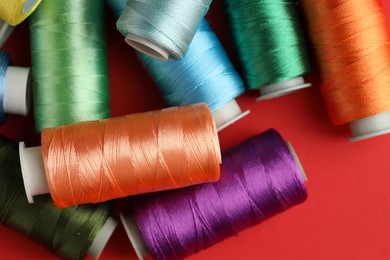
(260,178)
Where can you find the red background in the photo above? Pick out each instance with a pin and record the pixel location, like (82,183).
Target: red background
(347,214)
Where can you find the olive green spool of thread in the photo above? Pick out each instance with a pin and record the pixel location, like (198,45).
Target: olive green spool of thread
(69,62)
(269,40)
(68,233)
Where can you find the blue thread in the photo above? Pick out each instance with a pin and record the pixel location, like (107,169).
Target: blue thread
(4,62)
(205,74)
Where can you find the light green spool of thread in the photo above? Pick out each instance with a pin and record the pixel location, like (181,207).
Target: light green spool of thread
(269,39)
(69,62)
(68,233)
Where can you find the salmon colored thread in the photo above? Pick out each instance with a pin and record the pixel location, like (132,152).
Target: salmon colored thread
(95,161)
(351,40)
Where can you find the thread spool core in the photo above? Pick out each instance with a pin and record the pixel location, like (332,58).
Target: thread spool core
(33,171)
(370,126)
(282,88)
(102,238)
(228,114)
(28,5)
(17,90)
(134,235)
(296,159)
(147,47)
(5,31)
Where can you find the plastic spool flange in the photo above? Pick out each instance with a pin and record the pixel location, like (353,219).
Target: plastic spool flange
(33,171)
(228,114)
(102,238)
(147,47)
(282,88)
(296,159)
(17,90)
(371,126)
(134,235)
(5,31)
(28,4)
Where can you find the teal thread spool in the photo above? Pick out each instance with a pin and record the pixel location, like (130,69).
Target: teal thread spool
(271,45)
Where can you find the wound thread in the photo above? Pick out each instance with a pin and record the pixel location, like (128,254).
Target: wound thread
(94,161)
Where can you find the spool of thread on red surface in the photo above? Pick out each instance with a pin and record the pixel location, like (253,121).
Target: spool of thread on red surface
(95,161)
(71,233)
(162,29)
(351,40)
(260,178)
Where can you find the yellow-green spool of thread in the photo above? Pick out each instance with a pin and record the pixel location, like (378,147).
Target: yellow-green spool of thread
(69,63)
(14,12)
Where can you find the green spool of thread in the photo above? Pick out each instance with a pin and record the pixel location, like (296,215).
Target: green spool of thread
(69,62)
(270,43)
(69,233)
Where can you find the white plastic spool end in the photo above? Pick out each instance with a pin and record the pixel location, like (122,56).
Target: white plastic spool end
(296,159)
(28,5)
(17,90)
(282,88)
(228,114)
(134,236)
(5,31)
(147,47)
(102,238)
(33,171)
(371,126)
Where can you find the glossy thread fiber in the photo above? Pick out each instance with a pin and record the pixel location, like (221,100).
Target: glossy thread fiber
(170,24)
(352,43)
(69,63)
(205,74)
(269,39)
(259,179)
(4,62)
(15,11)
(67,233)
(100,160)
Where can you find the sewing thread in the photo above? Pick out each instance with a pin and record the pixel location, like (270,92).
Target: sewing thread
(167,24)
(205,74)
(269,40)
(67,233)
(69,63)
(259,179)
(351,41)
(100,160)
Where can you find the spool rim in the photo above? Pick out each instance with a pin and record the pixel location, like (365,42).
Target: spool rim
(147,47)
(132,237)
(28,5)
(282,88)
(233,120)
(102,238)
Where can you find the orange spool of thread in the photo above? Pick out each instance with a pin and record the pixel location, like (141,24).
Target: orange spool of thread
(95,161)
(352,43)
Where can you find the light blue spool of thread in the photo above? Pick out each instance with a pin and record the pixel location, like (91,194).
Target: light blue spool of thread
(205,74)
(162,28)
(15,88)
